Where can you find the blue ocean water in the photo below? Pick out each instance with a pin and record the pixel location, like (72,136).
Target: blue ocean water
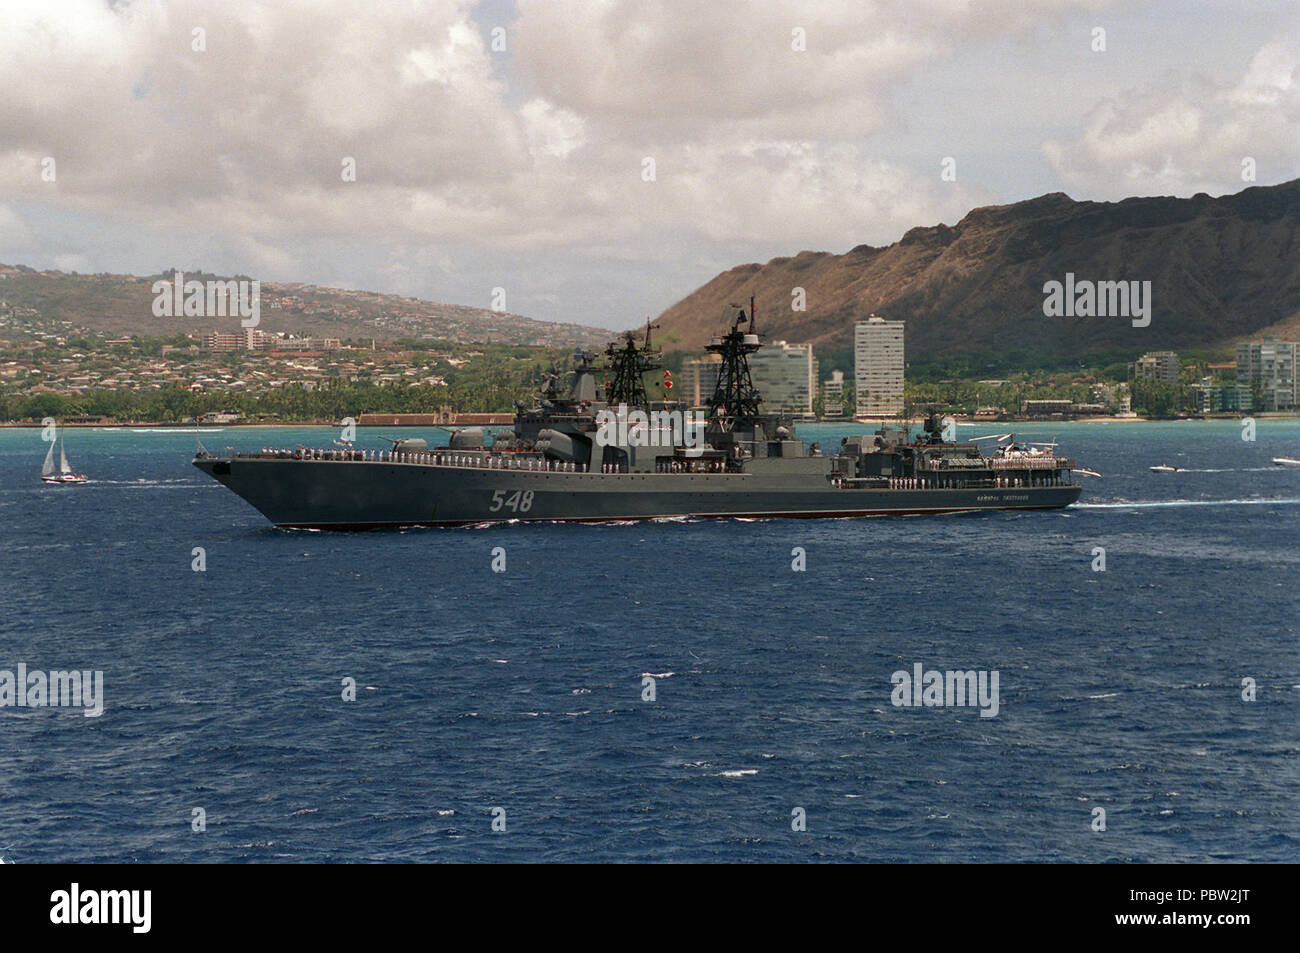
(523,690)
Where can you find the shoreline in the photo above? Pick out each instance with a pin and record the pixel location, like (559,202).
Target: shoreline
(965,421)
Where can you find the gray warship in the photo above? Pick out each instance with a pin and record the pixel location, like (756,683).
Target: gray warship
(598,450)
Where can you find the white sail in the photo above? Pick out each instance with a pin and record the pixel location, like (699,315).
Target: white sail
(63,459)
(47,469)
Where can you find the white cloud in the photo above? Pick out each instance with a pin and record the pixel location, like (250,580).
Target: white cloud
(1187,134)
(797,193)
(14,235)
(271,260)
(551,131)
(666,67)
(473,167)
(247,138)
(250,134)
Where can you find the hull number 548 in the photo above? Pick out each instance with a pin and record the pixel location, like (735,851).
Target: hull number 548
(516,502)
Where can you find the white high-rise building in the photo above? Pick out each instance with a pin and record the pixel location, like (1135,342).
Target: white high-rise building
(1270,366)
(878,367)
(785,376)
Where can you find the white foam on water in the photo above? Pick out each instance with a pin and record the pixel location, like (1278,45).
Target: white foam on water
(1231,470)
(145,481)
(1166,503)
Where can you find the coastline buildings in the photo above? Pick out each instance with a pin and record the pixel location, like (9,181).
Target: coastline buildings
(833,396)
(1044,407)
(1161,366)
(786,377)
(1214,398)
(878,367)
(1116,398)
(1053,408)
(1268,367)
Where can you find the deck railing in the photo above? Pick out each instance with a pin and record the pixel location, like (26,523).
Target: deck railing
(432,458)
(1031,463)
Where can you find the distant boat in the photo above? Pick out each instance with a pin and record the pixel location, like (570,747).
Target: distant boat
(1286,461)
(63,473)
(1164,468)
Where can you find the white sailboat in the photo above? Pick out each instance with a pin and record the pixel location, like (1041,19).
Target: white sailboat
(64,473)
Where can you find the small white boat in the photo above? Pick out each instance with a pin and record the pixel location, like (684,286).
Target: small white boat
(1163,468)
(1286,461)
(64,472)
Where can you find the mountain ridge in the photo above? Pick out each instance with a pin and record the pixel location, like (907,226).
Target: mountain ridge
(1220,268)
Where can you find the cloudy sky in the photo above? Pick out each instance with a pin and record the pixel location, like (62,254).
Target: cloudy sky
(509,144)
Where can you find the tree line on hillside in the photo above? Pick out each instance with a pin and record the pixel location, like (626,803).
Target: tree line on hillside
(490,383)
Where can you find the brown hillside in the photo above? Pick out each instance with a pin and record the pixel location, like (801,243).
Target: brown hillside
(1219,268)
(123,304)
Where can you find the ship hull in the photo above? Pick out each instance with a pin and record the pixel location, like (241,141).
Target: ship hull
(356,495)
